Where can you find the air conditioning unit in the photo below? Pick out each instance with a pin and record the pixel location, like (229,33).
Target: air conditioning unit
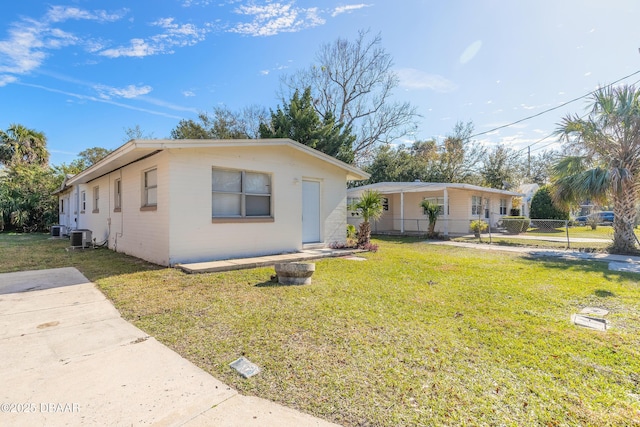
(80,238)
(58,230)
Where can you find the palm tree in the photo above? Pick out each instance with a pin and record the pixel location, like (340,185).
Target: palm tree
(20,144)
(432,210)
(607,161)
(370,207)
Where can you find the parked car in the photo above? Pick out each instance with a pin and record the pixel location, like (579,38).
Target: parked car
(605,217)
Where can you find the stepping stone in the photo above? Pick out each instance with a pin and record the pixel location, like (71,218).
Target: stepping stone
(594,310)
(589,322)
(245,367)
(355,258)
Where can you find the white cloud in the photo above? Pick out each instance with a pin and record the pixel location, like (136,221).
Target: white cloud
(275,18)
(413,79)
(30,40)
(131,91)
(587,74)
(188,93)
(6,79)
(348,8)
(175,35)
(64,13)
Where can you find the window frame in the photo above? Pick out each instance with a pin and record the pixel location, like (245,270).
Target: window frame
(439,201)
(117,195)
(83,201)
(146,206)
(243,195)
(476,206)
(96,199)
(503,207)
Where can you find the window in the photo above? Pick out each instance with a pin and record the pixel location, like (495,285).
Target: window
(240,194)
(83,201)
(117,197)
(150,196)
(350,202)
(61,206)
(503,206)
(385,203)
(438,201)
(96,199)
(476,205)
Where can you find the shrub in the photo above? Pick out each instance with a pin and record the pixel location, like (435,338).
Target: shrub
(371,247)
(542,206)
(515,224)
(478,226)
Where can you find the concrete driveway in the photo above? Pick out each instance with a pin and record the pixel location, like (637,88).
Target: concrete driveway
(68,358)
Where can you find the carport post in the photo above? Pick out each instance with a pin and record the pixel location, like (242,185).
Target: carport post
(446,212)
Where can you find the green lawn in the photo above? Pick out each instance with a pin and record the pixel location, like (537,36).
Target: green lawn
(416,335)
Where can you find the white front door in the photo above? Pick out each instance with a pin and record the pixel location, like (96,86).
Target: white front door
(310,211)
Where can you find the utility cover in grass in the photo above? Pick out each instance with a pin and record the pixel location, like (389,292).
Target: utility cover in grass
(594,310)
(245,367)
(590,322)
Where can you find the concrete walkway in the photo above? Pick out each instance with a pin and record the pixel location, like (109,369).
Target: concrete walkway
(68,358)
(263,261)
(626,263)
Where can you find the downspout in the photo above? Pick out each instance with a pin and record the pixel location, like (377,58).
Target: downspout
(402,212)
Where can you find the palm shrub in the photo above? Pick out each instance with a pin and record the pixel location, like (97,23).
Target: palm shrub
(370,208)
(605,160)
(432,210)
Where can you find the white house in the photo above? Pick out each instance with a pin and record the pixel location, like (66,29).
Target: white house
(459,205)
(180,201)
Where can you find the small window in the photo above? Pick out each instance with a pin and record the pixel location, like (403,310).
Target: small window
(240,194)
(83,201)
(150,188)
(503,206)
(476,205)
(438,201)
(117,196)
(96,199)
(61,206)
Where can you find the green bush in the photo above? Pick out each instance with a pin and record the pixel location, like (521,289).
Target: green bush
(542,206)
(515,224)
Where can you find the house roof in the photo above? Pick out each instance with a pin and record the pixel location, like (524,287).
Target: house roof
(138,149)
(417,187)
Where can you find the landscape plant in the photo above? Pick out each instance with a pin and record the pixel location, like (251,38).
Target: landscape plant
(369,206)
(605,159)
(432,210)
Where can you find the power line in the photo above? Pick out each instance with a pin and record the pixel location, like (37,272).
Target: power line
(552,108)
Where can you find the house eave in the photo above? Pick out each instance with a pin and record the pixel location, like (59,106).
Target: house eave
(135,150)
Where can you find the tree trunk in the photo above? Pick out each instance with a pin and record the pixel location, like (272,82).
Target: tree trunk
(624,210)
(432,227)
(364,235)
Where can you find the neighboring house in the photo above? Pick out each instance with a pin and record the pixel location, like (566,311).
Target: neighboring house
(180,201)
(459,205)
(528,191)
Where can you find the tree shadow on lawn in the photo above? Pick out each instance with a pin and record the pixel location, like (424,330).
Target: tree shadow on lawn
(590,266)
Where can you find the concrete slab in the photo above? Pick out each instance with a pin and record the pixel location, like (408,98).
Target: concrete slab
(248,411)
(263,261)
(24,281)
(594,310)
(624,266)
(68,358)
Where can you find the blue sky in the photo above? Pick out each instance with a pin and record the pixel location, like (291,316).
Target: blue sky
(82,71)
